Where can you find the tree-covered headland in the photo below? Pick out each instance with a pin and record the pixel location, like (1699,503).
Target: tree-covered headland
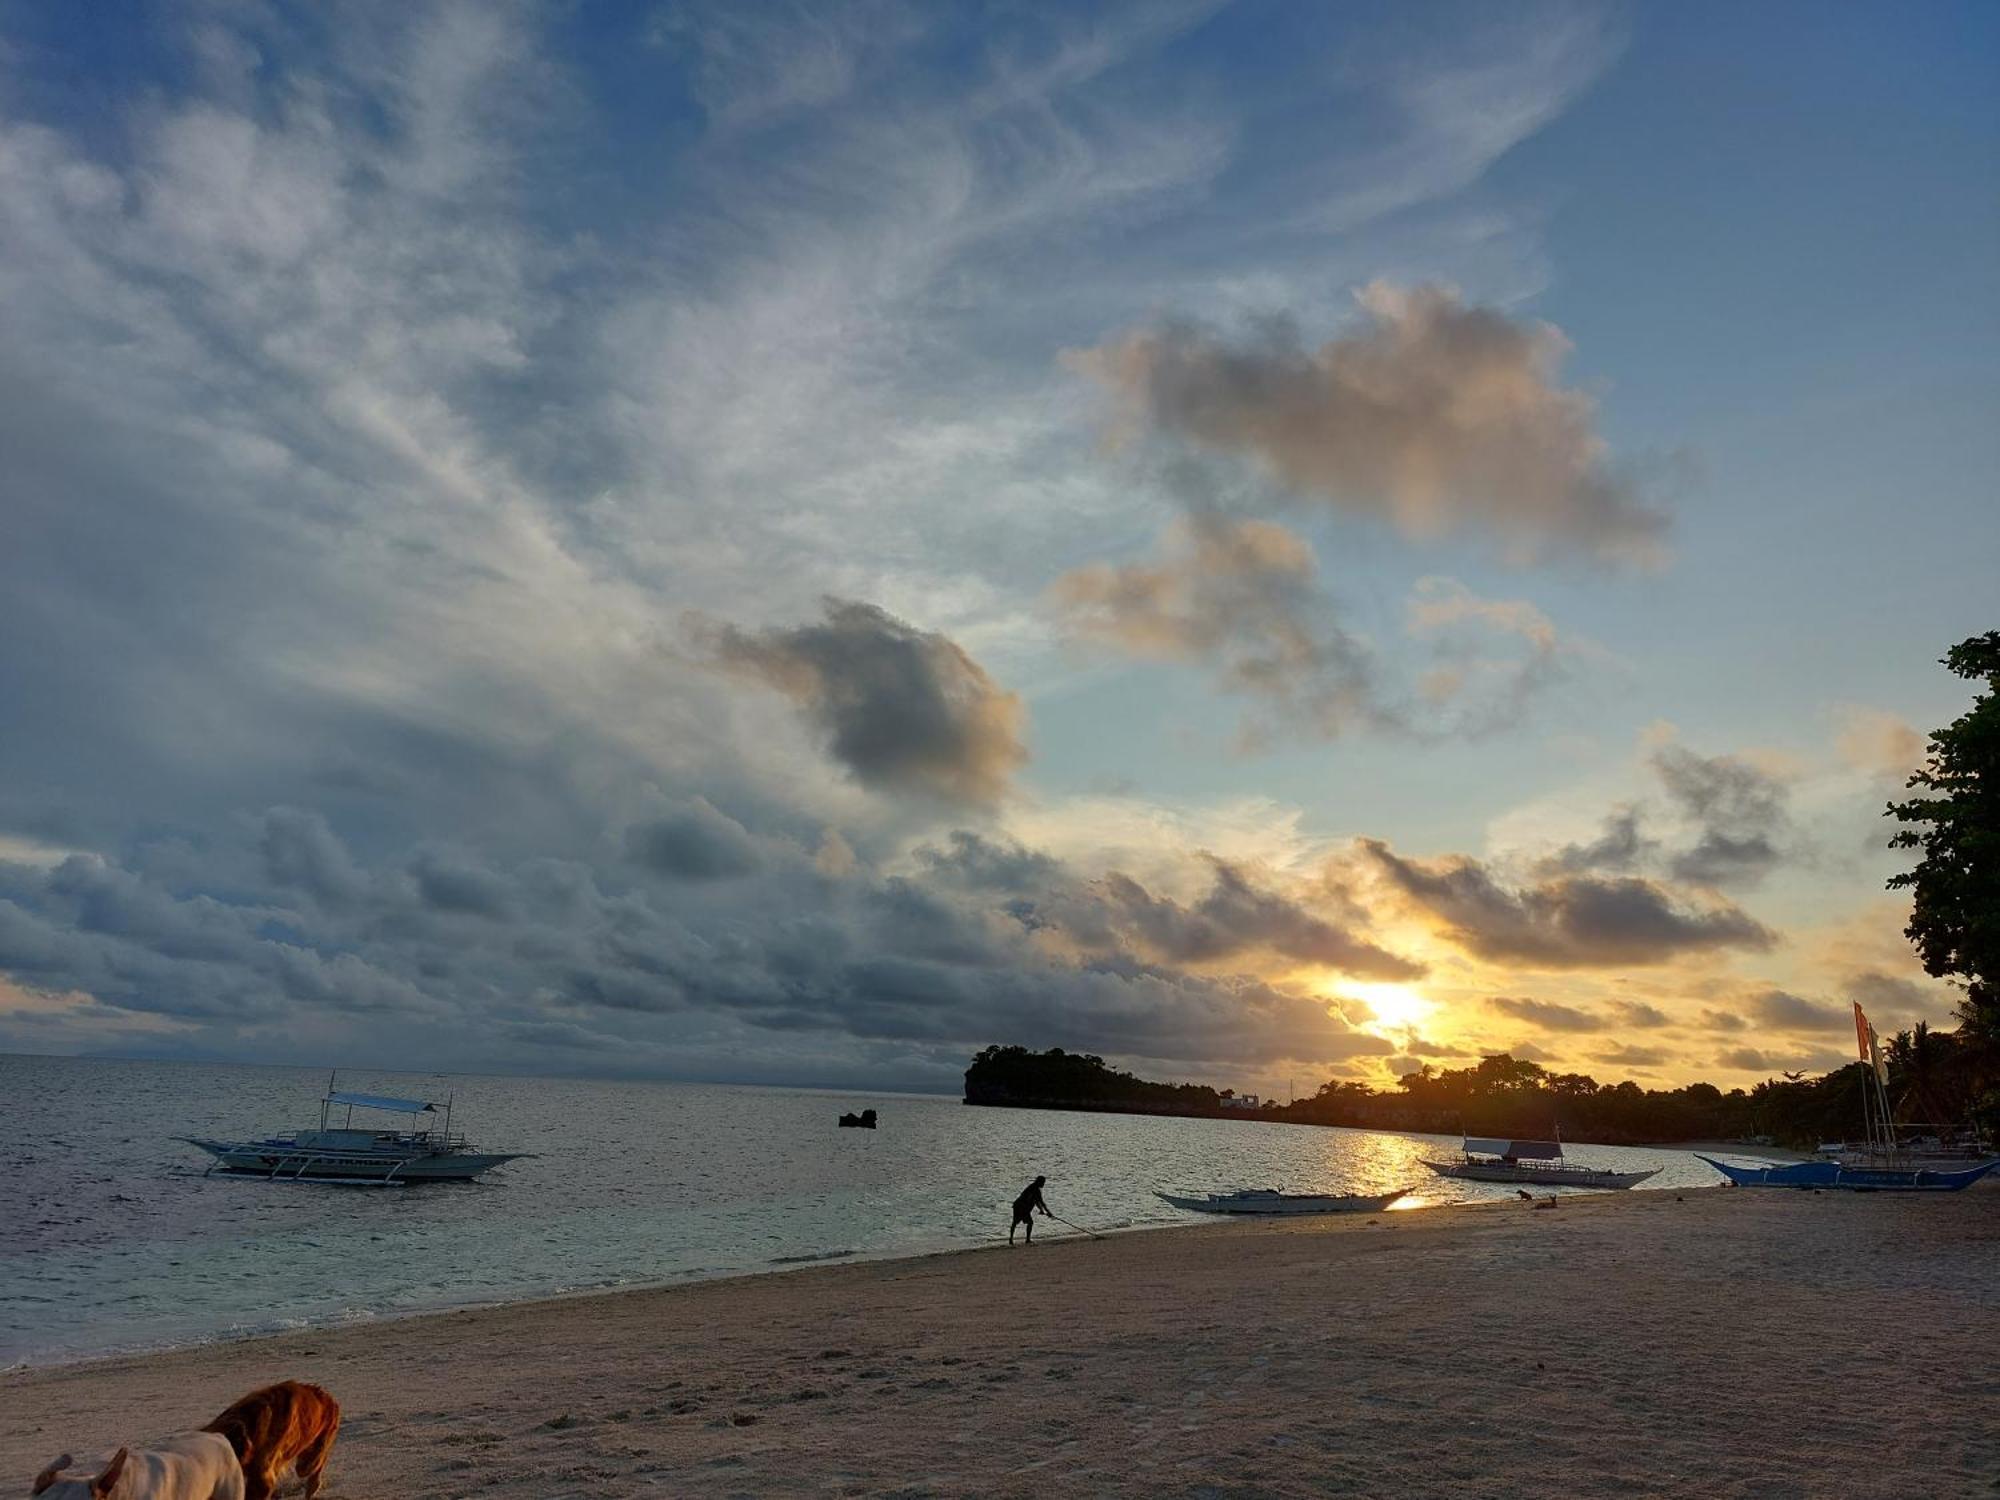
(1932,1079)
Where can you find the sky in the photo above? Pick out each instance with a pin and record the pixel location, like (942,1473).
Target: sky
(789,543)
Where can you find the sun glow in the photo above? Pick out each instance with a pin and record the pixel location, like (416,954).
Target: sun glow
(1392,1006)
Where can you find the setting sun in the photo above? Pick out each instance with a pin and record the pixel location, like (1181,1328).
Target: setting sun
(1392,1005)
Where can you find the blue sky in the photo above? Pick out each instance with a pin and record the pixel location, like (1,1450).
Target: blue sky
(795,542)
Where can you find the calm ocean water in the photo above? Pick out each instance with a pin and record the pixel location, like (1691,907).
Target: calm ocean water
(111,1238)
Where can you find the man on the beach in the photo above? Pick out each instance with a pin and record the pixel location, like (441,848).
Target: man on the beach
(1024,1209)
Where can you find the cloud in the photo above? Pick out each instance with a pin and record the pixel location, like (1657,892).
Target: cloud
(354,457)
(904,710)
(511,959)
(1624,1055)
(1638,1013)
(1548,1015)
(1779,1010)
(1620,848)
(973,860)
(1877,742)
(1434,415)
(1740,809)
(1235,916)
(1747,1060)
(694,842)
(1565,921)
(1240,596)
(1243,598)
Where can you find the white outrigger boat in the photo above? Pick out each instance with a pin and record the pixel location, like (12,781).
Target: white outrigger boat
(347,1154)
(1271,1201)
(1537,1163)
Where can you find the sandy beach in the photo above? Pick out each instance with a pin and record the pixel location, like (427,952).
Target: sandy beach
(1714,1343)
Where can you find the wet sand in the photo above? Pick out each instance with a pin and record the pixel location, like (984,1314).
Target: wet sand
(1712,1343)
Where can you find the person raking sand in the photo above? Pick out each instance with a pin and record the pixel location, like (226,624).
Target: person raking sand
(1024,1210)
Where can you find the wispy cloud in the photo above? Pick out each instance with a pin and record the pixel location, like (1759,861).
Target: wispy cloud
(1243,599)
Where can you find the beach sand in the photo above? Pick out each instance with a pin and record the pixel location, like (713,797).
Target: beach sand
(1712,1343)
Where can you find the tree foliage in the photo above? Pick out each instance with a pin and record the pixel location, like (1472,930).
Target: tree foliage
(1934,1077)
(1955,919)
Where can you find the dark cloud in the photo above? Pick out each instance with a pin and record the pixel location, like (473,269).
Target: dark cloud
(1638,1013)
(1723,1020)
(640,975)
(1547,1015)
(973,860)
(1779,1010)
(1433,415)
(694,842)
(1627,1056)
(448,883)
(1749,1059)
(903,709)
(1235,917)
(1871,987)
(1569,921)
(1621,848)
(301,852)
(1741,811)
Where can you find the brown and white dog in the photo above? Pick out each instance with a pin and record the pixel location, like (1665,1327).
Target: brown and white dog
(188,1466)
(281,1429)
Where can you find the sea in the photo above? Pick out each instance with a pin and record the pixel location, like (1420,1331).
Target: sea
(112,1239)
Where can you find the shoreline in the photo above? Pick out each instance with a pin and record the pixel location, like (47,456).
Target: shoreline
(360,1320)
(1662,1343)
(783,1267)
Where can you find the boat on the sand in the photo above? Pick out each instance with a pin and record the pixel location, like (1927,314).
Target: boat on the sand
(1855,1178)
(344,1153)
(1271,1201)
(1539,1163)
(1885,1163)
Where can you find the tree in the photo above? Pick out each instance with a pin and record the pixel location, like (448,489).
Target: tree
(1955,922)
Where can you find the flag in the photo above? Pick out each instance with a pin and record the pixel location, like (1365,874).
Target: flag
(1862,1031)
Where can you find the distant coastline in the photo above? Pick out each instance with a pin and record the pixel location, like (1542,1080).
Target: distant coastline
(1500,1095)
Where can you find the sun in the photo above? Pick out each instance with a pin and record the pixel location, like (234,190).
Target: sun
(1394,1006)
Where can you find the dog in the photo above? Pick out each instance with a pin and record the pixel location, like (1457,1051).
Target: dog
(187,1466)
(281,1429)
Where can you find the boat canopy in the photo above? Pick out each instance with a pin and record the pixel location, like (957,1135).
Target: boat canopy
(379,1101)
(1480,1145)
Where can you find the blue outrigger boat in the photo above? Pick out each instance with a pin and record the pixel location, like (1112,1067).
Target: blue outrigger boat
(1883,1166)
(1869,1179)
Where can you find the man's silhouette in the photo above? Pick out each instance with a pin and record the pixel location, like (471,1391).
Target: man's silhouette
(1024,1209)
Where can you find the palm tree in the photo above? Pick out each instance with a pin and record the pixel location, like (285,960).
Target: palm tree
(1920,1068)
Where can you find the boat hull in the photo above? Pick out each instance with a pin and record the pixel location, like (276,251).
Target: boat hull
(1269,1205)
(1833,1174)
(288,1162)
(1500,1171)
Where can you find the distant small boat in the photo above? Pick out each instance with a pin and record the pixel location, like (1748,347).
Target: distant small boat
(344,1154)
(1541,1163)
(1860,1179)
(863,1121)
(1271,1201)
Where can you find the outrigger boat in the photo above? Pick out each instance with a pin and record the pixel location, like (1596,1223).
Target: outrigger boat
(1541,1163)
(346,1154)
(1884,1164)
(1271,1201)
(1861,1179)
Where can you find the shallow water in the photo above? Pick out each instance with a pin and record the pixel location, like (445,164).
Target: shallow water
(112,1239)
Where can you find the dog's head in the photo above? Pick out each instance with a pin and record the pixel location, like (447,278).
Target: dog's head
(93,1483)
